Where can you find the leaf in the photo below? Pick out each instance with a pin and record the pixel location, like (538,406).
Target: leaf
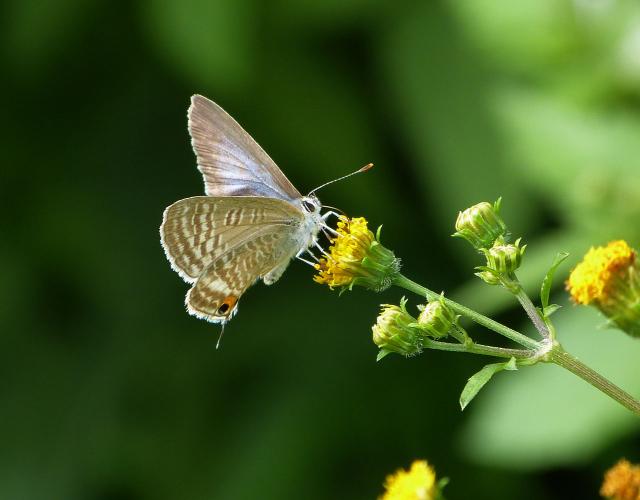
(548,279)
(478,380)
(550,309)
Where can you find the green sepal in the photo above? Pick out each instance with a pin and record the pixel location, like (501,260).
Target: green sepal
(478,380)
(547,282)
(382,353)
(497,204)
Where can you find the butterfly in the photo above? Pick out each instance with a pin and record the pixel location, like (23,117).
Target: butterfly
(249,226)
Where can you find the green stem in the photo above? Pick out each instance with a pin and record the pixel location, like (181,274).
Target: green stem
(532,312)
(536,351)
(562,358)
(407,284)
(486,350)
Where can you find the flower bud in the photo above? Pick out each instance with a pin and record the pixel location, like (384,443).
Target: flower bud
(609,278)
(393,331)
(356,257)
(504,258)
(480,224)
(436,319)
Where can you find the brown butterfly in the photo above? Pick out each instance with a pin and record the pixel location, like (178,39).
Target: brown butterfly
(249,225)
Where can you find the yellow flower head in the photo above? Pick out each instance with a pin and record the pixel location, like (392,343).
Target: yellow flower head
(591,280)
(622,482)
(609,278)
(418,483)
(357,257)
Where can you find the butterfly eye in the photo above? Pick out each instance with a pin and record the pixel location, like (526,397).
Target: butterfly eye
(309,206)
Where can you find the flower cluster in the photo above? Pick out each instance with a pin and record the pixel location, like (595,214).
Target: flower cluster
(356,257)
(622,482)
(418,483)
(608,277)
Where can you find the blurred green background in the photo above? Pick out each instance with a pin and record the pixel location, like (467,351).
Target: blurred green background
(109,390)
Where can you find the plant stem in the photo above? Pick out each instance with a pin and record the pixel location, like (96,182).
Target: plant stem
(486,350)
(562,358)
(532,312)
(535,350)
(406,283)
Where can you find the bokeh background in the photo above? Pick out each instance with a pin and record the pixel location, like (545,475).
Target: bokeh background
(109,390)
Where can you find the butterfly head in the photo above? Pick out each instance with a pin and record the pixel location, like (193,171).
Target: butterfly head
(311,204)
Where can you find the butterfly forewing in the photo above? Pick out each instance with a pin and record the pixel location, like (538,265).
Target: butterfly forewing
(231,162)
(196,231)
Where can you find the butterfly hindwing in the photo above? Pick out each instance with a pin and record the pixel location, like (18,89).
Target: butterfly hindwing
(215,294)
(231,162)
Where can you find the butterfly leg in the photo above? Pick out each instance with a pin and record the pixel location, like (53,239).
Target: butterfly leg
(329,213)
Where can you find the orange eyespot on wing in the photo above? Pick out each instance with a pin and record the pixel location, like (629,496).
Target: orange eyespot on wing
(227,306)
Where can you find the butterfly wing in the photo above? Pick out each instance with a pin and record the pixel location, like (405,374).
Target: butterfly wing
(196,231)
(215,294)
(231,162)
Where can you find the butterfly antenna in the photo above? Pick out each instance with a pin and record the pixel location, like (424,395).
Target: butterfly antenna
(359,171)
(220,336)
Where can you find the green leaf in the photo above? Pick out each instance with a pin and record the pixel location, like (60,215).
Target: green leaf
(478,380)
(550,309)
(548,279)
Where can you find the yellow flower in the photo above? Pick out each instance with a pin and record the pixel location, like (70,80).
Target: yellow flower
(622,482)
(356,257)
(418,483)
(591,279)
(608,278)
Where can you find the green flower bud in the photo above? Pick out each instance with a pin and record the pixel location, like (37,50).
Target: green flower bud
(480,224)
(393,331)
(502,260)
(436,318)
(503,257)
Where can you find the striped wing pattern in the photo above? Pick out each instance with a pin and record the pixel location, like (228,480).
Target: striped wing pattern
(215,295)
(195,231)
(224,244)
